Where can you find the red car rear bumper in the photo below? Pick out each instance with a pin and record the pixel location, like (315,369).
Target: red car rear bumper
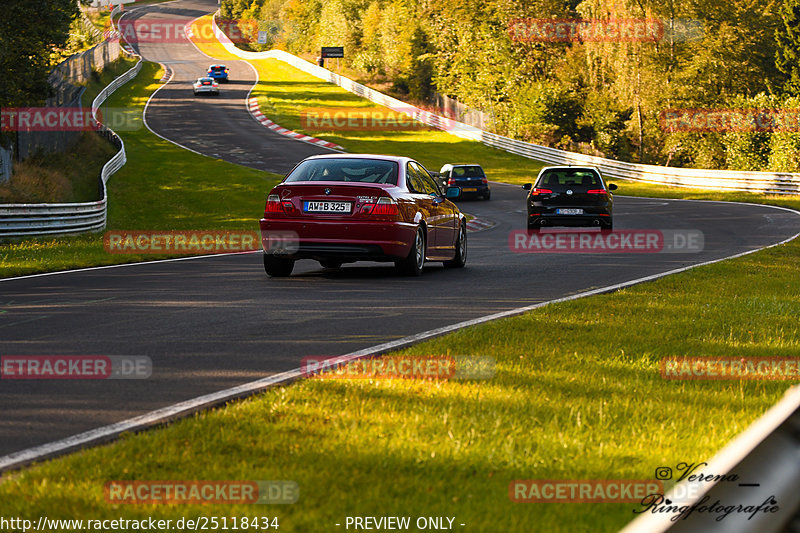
(325,239)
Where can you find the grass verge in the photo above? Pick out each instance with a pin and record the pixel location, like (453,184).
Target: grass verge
(162,187)
(101,79)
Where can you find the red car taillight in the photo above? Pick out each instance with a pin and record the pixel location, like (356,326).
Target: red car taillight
(273,204)
(596,191)
(451,181)
(288,207)
(484,181)
(383,207)
(535,192)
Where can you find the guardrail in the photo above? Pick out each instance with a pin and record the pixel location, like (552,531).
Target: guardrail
(763,182)
(30,220)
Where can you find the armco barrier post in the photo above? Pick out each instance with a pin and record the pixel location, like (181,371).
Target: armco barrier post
(5,164)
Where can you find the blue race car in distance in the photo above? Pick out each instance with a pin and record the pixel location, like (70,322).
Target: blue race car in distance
(218,72)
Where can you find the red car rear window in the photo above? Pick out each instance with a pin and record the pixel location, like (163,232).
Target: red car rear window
(361,170)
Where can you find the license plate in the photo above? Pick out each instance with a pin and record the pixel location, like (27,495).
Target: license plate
(569,211)
(470,189)
(326,207)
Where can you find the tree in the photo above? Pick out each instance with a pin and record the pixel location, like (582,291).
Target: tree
(29,32)
(787,36)
(420,85)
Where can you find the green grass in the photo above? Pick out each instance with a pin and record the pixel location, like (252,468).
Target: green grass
(162,187)
(101,79)
(100,18)
(577,395)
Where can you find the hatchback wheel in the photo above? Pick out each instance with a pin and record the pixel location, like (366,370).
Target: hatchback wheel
(277,267)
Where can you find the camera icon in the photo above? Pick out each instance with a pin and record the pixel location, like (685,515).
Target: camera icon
(663,473)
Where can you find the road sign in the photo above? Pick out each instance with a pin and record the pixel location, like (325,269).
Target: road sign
(332,51)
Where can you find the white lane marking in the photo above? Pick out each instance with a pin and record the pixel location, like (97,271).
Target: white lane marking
(110,432)
(88,269)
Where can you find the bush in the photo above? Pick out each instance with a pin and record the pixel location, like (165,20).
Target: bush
(784,153)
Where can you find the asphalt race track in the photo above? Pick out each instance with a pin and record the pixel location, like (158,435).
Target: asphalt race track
(215,322)
(219,126)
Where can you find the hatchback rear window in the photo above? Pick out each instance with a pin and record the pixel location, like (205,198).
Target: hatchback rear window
(577,178)
(347,170)
(474,171)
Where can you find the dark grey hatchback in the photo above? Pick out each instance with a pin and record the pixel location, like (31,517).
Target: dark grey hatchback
(570,196)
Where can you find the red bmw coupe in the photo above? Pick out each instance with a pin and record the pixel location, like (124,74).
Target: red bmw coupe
(342,208)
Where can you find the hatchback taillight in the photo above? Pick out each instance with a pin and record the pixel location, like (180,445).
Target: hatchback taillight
(596,191)
(535,192)
(273,204)
(451,181)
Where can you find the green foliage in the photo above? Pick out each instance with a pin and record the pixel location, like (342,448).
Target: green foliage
(784,147)
(607,94)
(420,84)
(608,120)
(29,31)
(749,149)
(787,36)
